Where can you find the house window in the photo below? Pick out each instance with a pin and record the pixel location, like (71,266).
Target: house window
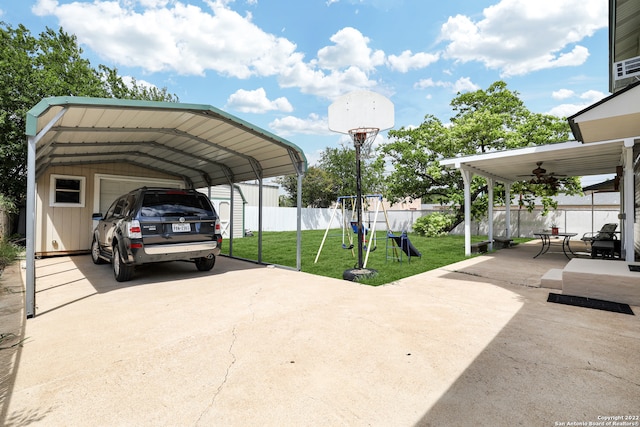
(67,191)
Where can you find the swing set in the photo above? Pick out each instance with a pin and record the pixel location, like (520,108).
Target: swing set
(396,245)
(347,206)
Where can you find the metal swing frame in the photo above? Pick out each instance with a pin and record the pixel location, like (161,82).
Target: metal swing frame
(341,204)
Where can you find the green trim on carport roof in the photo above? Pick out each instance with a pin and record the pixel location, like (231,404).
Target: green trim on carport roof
(78,101)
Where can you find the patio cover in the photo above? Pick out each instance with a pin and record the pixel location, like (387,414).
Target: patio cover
(606,133)
(199,143)
(569,158)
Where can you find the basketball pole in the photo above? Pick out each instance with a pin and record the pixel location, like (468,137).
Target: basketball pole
(358,140)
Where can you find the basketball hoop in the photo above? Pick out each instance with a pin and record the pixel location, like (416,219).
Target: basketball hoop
(363,138)
(361,114)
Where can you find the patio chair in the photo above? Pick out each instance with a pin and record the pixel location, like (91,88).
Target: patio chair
(607,232)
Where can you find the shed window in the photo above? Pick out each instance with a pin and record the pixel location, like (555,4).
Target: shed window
(67,191)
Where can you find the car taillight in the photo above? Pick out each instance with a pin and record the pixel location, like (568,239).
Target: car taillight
(217,226)
(133,229)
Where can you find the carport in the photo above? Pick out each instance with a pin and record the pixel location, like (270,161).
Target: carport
(200,144)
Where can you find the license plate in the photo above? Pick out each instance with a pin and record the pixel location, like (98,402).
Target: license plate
(180,228)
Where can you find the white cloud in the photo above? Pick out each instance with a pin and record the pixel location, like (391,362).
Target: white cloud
(128,80)
(569,109)
(350,49)
(593,95)
(410,61)
(256,101)
(463,84)
(509,36)
(312,125)
(566,110)
(173,36)
(314,81)
(563,94)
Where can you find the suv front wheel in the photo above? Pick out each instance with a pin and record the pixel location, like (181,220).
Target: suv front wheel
(121,271)
(95,252)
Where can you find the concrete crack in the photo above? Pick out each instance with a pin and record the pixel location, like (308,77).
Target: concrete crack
(226,376)
(602,371)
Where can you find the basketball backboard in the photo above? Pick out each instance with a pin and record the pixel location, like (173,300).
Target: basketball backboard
(361,109)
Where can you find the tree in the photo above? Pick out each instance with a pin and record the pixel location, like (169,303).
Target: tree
(494,119)
(32,68)
(316,189)
(333,177)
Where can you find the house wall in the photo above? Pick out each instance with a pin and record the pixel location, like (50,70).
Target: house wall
(61,230)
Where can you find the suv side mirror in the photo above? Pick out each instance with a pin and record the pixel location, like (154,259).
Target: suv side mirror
(96,216)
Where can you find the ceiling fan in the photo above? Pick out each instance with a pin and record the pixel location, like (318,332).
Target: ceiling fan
(539,176)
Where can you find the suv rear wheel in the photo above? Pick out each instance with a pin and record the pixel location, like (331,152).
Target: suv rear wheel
(205,264)
(121,271)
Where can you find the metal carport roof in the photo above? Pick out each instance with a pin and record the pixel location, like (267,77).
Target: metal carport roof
(199,143)
(202,144)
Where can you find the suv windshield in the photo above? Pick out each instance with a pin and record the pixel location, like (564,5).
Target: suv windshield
(174,204)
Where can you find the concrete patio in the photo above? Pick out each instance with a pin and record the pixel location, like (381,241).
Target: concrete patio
(473,343)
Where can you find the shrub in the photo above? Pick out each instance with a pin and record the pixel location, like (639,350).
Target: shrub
(432,225)
(9,251)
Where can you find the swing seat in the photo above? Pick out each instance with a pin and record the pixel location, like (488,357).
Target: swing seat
(347,247)
(354,227)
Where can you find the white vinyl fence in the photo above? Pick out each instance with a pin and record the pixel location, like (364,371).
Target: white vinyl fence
(523,223)
(284,219)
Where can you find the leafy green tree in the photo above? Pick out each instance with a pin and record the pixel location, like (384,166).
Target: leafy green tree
(494,119)
(316,189)
(334,176)
(32,68)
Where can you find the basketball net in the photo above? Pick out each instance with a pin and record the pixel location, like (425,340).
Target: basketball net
(364,137)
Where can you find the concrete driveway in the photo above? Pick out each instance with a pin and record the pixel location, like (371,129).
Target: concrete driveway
(474,343)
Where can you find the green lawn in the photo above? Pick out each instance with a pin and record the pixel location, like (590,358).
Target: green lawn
(280,248)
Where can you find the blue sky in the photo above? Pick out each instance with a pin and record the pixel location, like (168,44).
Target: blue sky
(280,63)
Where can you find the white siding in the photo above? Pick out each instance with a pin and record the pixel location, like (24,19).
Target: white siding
(221,199)
(270,194)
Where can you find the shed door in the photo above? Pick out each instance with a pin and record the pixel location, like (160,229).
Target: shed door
(224,212)
(110,187)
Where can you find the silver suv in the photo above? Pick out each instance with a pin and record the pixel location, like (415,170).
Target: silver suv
(150,225)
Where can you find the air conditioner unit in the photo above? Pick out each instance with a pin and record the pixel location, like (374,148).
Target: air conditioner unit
(627,68)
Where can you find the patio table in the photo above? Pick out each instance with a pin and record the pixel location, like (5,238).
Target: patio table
(546,239)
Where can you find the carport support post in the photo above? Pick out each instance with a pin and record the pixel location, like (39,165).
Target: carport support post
(466,177)
(260,220)
(30,217)
(30,228)
(507,212)
(490,183)
(299,223)
(628,200)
